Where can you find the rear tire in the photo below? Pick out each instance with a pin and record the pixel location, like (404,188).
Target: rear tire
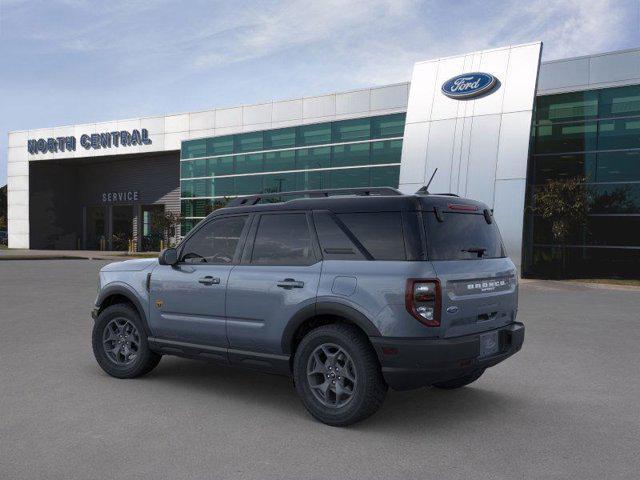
(337,375)
(460,381)
(120,343)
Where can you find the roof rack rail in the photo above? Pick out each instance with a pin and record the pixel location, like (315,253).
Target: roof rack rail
(446,194)
(254,199)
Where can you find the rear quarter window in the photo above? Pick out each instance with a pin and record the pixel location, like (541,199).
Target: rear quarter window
(380,233)
(462,236)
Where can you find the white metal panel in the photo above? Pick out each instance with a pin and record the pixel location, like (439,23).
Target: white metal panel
(393,96)
(514,146)
(172,141)
(414,152)
(520,84)
(202,120)
(257,114)
(18,240)
(156,145)
(18,139)
(256,127)
(176,123)
(17,168)
(482,157)
(461,152)
(509,213)
(315,107)
(17,154)
(352,102)
(131,124)
(423,86)
(228,117)
(18,188)
(228,130)
(442,136)
(18,226)
(287,111)
(614,67)
(443,106)
(494,62)
(210,132)
(154,125)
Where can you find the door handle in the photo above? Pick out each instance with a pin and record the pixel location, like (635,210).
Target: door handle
(290,283)
(208,280)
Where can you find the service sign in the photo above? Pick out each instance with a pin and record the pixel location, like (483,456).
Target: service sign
(469,85)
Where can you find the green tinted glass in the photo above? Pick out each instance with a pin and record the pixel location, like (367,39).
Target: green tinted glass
(388,151)
(280,138)
(618,166)
(186,188)
(248,185)
(385,177)
(347,155)
(221,187)
(319,157)
(350,178)
(352,130)
(248,142)
(622,133)
(250,163)
(388,126)
(566,107)
(313,180)
(573,137)
(620,102)
(194,148)
(220,145)
(280,182)
(283,160)
(549,167)
(221,166)
(313,134)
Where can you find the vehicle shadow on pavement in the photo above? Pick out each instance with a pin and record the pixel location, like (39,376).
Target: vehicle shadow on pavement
(424,408)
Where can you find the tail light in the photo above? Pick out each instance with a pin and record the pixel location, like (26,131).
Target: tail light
(423,300)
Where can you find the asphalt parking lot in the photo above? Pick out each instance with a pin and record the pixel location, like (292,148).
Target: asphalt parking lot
(566,407)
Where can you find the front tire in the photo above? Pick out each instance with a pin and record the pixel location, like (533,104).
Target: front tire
(120,343)
(337,375)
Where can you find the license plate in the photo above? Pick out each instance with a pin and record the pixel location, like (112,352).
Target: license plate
(489,344)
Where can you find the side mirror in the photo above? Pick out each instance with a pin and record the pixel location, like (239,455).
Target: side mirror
(168,256)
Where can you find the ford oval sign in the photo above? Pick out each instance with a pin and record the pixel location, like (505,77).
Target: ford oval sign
(469,85)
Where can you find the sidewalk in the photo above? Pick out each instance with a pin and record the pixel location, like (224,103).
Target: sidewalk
(22,254)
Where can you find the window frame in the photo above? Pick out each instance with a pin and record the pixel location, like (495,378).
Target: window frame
(247,251)
(203,224)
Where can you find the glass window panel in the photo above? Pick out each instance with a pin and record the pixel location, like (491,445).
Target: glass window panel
(334,242)
(550,167)
(284,160)
(220,145)
(618,166)
(619,198)
(350,178)
(200,187)
(194,148)
(313,134)
(388,151)
(313,180)
(216,242)
(186,188)
(187,225)
(279,182)
(566,107)
(620,102)
(248,185)
(248,142)
(574,137)
(352,130)
(385,177)
(319,157)
(200,207)
(388,126)
(616,134)
(186,208)
(280,138)
(283,239)
(221,166)
(380,233)
(186,169)
(250,163)
(347,155)
(221,187)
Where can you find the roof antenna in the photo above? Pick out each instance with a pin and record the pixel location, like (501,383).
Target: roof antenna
(425,190)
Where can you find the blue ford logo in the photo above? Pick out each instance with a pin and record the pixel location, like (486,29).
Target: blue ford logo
(468,85)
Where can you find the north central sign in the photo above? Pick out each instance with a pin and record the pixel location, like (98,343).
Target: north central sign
(469,85)
(93,141)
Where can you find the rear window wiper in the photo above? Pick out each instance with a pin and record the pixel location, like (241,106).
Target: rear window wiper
(479,250)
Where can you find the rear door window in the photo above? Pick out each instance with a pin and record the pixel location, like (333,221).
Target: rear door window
(334,242)
(283,239)
(462,236)
(380,233)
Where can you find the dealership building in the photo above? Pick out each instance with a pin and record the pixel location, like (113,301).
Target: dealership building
(496,124)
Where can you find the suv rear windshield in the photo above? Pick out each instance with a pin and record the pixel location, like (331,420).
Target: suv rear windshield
(462,236)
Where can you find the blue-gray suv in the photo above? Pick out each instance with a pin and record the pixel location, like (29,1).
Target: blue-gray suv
(349,292)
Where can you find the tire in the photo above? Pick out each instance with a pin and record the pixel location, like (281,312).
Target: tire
(125,326)
(460,381)
(362,388)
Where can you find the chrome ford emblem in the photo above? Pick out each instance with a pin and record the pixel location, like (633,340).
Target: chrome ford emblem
(452,309)
(469,85)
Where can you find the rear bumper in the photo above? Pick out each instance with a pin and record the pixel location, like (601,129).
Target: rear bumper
(412,363)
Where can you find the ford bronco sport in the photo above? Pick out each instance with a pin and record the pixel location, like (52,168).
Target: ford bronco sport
(348,291)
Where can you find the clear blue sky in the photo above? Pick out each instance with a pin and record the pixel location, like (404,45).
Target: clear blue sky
(72,61)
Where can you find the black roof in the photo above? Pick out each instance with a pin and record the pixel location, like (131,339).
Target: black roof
(388,200)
